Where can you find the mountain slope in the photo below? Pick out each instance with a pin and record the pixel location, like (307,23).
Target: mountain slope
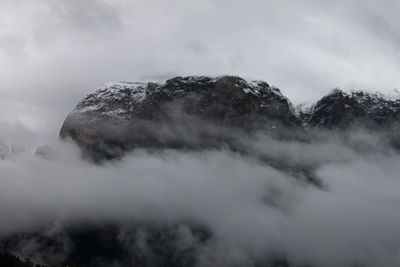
(198,112)
(341,109)
(183,112)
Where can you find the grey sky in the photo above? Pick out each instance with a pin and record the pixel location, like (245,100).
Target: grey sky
(53,52)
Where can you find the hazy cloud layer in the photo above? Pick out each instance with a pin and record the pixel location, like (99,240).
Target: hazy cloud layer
(253,210)
(54,52)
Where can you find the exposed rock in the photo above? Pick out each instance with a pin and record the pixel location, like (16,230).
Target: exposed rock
(342,109)
(183,112)
(203,112)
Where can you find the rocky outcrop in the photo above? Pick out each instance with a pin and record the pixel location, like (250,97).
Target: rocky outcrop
(341,110)
(183,112)
(203,112)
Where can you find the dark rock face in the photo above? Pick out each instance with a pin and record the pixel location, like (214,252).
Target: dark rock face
(188,112)
(342,110)
(203,112)
(136,244)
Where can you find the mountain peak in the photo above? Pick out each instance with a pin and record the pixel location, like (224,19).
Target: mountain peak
(125,115)
(340,109)
(199,112)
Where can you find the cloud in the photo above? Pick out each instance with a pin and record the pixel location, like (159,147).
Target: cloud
(54,52)
(64,49)
(253,211)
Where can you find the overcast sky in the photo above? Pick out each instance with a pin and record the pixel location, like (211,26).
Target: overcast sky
(252,209)
(53,52)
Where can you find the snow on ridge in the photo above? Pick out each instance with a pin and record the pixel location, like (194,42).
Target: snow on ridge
(303,108)
(115,88)
(352,89)
(135,92)
(118,90)
(115,91)
(251,85)
(258,85)
(374,100)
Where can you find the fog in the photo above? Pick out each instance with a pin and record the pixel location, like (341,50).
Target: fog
(53,52)
(253,211)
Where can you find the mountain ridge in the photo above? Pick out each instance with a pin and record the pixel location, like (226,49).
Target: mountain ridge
(197,112)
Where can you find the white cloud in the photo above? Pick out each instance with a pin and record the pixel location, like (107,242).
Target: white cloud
(252,209)
(53,52)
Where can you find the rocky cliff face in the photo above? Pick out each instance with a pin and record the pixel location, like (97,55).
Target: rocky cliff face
(344,109)
(203,112)
(183,112)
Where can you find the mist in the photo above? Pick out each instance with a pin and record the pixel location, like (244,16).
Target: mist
(249,211)
(54,52)
(254,212)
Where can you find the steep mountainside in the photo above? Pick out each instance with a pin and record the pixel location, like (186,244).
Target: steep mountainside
(203,112)
(343,109)
(183,112)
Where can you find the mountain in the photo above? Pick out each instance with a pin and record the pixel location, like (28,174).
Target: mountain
(88,244)
(9,260)
(181,113)
(341,109)
(198,112)
(193,113)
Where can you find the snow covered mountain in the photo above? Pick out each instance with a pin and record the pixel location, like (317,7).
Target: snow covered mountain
(183,112)
(341,109)
(198,112)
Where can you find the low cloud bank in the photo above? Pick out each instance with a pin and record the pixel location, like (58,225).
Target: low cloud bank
(253,212)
